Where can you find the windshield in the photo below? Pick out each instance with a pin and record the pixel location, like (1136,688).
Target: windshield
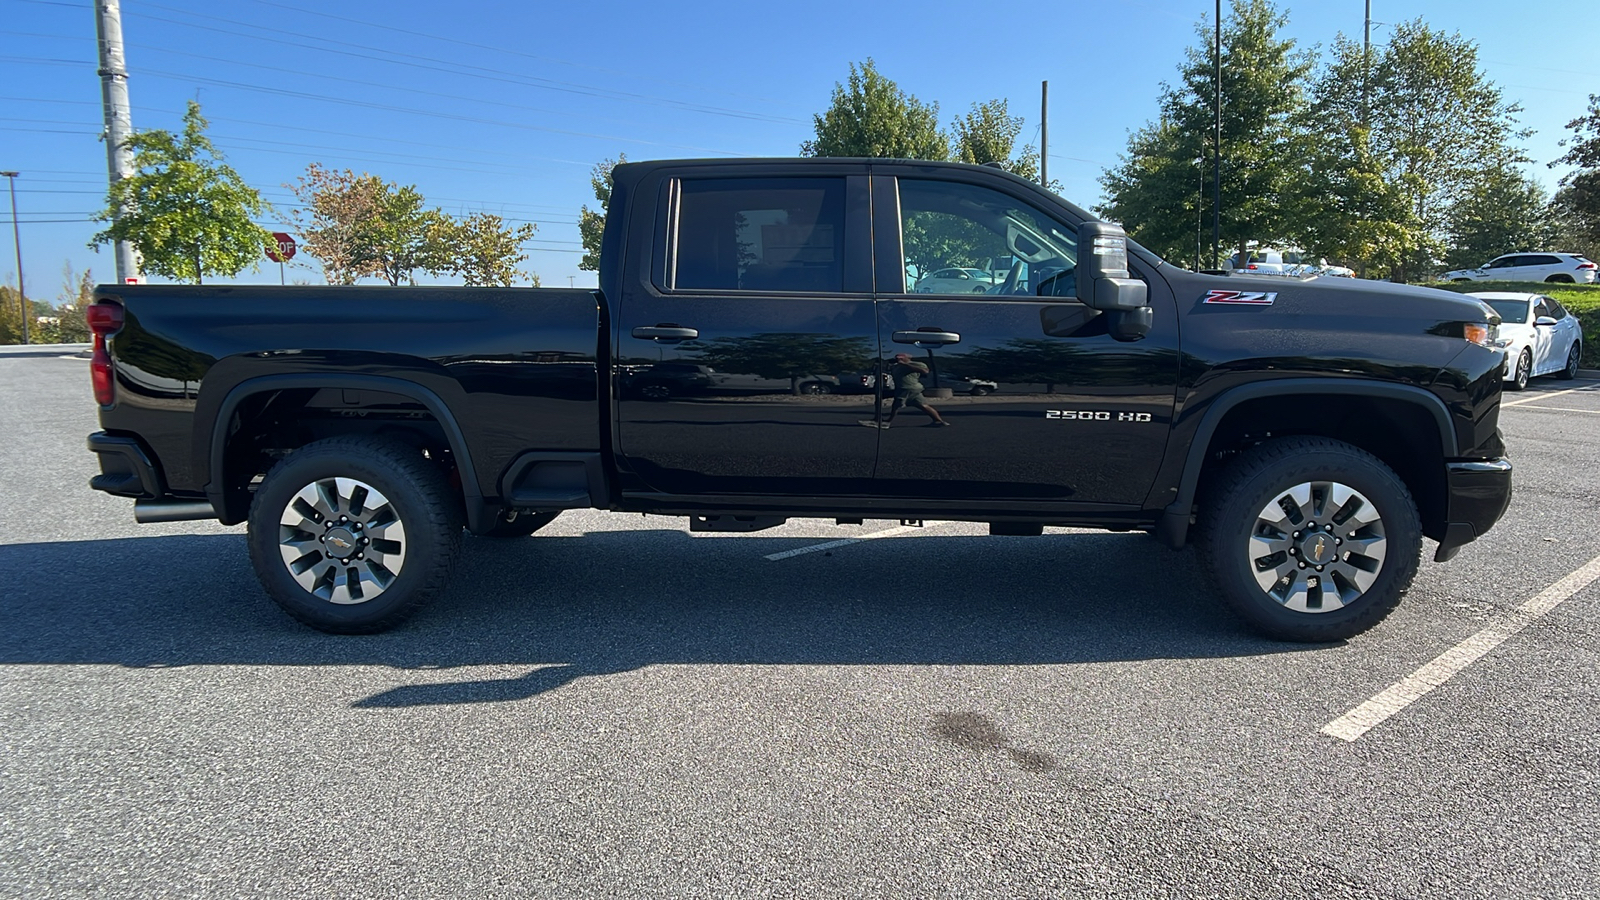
(1513,312)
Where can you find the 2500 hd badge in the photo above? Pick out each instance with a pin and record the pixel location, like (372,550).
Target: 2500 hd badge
(1085,415)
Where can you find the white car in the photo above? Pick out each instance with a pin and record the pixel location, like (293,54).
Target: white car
(1292,262)
(1567,268)
(1538,334)
(956,281)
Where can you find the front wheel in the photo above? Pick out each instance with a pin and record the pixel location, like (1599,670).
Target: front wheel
(1310,539)
(353,535)
(1523,371)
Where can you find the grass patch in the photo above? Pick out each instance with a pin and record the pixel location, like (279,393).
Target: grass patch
(1582,300)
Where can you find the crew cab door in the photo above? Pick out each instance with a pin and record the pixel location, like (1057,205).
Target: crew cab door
(730,341)
(1042,402)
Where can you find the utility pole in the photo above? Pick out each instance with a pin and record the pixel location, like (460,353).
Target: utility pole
(1044,134)
(16,235)
(1216,147)
(1366,67)
(118,118)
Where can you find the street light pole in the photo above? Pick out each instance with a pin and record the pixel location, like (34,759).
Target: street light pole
(16,236)
(1216,148)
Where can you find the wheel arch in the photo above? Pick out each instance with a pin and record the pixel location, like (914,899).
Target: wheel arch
(233,505)
(1384,419)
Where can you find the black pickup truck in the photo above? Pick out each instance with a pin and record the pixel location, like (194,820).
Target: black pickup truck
(800,338)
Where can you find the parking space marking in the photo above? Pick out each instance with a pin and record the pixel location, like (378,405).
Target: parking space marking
(844,542)
(1536,397)
(1592,412)
(1357,722)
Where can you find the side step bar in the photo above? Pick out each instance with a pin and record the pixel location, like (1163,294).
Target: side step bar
(147,512)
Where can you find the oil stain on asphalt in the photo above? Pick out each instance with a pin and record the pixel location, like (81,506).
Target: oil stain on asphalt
(974,732)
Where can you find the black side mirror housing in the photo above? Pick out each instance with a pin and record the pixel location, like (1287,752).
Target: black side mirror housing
(1104,282)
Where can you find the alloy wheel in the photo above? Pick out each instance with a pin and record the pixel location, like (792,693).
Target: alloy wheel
(342,540)
(1317,547)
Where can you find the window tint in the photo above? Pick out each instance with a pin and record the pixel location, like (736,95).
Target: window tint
(761,234)
(1547,261)
(1540,308)
(1502,262)
(1006,246)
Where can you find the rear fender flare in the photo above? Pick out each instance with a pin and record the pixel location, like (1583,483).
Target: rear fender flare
(214,451)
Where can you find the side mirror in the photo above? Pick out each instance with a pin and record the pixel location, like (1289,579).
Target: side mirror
(1104,282)
(1544,321)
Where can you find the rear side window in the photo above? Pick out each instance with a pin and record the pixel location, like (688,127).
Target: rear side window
(760,234)
(1543,261)
(1557,311)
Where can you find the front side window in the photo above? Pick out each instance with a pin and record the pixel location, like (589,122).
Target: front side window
(972,240)
(760,234)
(1502,262)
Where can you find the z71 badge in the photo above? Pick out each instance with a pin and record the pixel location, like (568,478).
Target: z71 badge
(1243,298)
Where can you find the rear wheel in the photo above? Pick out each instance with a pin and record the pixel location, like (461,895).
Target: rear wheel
(1559,279)
(1571,370)
(353,535)
(510,523)
(1310,539)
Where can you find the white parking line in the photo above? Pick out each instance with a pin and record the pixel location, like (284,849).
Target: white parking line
(1448,664)
(845,542)
(1595,412)
(1536,397)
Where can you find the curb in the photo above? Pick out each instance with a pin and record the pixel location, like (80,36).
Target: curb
(1589,373)
(22,350)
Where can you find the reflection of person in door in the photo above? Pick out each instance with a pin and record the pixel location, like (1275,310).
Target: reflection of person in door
(907,374)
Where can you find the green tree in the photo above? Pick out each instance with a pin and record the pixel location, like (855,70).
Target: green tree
(1576,209)
(1437,124)
(10,316)
(185,212)
(591,224)
(1503,212)
(871,116)
(360,226)
(1349,211)
(988,134)
(483,250)
(1161,187)
(68,325)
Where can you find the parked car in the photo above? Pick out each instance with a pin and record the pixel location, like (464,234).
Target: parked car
(956,281)
(1563,268)
(1538,334)
(665,380)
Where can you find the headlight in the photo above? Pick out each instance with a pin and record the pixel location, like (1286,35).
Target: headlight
(1477,333)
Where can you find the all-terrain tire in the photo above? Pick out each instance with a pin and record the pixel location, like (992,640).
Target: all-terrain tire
(1365,510)
(352,535)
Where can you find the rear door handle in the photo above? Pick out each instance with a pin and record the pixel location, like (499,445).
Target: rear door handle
(665,333)
(926,337)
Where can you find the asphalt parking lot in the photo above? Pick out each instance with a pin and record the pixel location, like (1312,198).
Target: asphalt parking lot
(618,708)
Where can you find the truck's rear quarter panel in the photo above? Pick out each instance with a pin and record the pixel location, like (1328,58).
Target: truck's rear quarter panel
(516,367)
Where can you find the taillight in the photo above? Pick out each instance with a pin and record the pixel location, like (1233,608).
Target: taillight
(1586,265)
(1251,266)
(105,320)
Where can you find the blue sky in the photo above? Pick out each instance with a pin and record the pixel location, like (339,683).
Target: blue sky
(504,107)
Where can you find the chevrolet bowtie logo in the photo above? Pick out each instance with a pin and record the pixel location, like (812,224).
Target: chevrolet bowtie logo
(339,543)
(1319,548)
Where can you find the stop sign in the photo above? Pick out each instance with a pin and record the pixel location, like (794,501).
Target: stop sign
(285,250)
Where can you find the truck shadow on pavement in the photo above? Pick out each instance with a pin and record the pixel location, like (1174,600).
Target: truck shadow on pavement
(565,608)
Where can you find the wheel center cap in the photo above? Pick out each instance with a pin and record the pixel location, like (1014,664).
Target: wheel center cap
(341,541)
(1317,548)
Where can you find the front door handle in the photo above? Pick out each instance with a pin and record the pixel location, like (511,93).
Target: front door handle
(666,333)
(926,337)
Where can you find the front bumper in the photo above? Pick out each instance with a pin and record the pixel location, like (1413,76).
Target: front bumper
(1477,494)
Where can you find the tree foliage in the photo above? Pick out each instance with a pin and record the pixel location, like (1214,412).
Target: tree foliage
(360,226)
(186,212)
(988,134)
(1436,126)
(1503,212)
(592,224)
(871,116)
(483,250)
(1576,208)
(1160,190)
